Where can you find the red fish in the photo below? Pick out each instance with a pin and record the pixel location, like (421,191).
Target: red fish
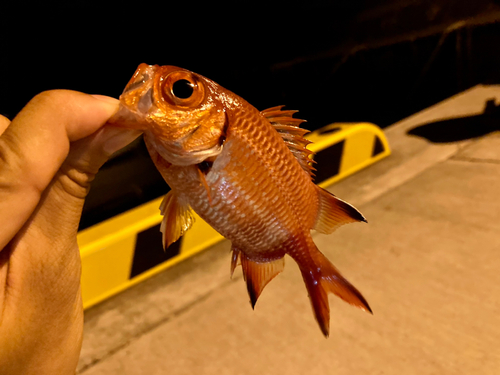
(246,173)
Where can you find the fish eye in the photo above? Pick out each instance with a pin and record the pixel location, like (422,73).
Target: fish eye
(182,89)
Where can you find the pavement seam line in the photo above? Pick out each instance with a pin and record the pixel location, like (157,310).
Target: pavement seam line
(405,172)
(158,323)
(475,160)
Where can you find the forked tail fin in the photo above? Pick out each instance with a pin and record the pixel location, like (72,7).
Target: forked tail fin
(323,278)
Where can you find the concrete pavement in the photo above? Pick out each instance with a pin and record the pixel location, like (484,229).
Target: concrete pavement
(428,263)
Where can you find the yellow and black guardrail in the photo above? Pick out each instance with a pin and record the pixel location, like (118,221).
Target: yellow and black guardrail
(126,249)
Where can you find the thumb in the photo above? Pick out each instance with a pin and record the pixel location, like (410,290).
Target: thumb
(59,211)
(44,268)
(36,143)
(47,240)
(86,157)
(52,227)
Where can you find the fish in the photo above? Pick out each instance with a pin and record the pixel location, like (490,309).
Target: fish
(247,173)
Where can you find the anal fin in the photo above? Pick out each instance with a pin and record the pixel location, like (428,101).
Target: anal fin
(177,218)
(257,274)
(334,212)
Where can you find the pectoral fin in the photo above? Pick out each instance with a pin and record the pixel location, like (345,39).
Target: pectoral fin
(256,274)
(334,212)
(235,259)
(177,218)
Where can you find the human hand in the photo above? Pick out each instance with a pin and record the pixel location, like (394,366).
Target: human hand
(49,154)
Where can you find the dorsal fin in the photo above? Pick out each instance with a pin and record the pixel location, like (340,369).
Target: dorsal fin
(292,134)
(177,219)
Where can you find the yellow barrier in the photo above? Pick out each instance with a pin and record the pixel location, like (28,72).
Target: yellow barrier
(126,249)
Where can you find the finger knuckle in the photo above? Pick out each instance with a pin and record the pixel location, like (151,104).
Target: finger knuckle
(52,98)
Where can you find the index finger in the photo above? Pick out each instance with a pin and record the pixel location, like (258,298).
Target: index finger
(34,146)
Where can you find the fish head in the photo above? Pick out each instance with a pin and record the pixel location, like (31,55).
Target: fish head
(180,112)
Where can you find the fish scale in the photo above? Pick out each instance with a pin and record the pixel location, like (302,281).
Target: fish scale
(286,169)
(255,213)
(221,214)
(246,173)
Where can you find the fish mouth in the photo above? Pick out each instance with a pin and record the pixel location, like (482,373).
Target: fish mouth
(138,94)
(136,99)
(143,74)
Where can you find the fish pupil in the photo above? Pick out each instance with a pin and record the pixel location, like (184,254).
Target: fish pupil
(182,89)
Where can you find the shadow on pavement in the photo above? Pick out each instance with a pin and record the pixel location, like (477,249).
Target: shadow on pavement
(461,128)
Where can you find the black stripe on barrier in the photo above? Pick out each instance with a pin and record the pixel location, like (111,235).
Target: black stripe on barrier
(378,147)
(328,162)
(149,252)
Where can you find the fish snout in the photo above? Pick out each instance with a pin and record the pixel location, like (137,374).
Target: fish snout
(137,99)
(141,80)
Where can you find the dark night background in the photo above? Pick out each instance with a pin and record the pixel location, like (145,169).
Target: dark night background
(376,61)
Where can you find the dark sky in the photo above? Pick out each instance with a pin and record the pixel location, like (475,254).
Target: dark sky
(296,53)
(80,45)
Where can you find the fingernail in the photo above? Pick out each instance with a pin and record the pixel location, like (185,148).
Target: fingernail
(111,104)
(113,139)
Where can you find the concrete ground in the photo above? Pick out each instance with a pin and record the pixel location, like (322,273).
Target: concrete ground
(428,263)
